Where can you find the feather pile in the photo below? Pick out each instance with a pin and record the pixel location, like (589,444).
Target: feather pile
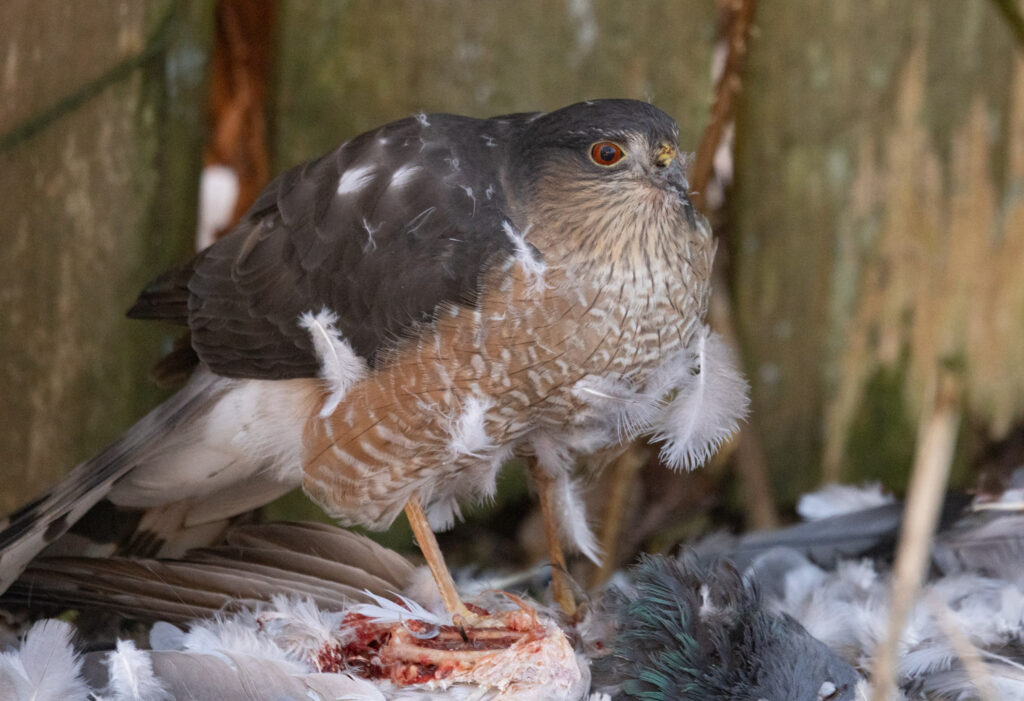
(245,639)
(833,576)
(798,618)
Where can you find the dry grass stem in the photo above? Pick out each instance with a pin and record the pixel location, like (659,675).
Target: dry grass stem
(932,463)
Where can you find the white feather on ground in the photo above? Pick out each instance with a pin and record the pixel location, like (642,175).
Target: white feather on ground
(45,667)
(131,676)
(838,499)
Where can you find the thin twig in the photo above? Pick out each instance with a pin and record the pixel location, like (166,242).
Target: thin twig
(750,462)
(622,478)
(932,463)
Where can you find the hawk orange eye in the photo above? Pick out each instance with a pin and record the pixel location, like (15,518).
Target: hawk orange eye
(606,153)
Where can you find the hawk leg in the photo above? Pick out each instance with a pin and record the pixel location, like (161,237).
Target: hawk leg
(559,580)
(435,561)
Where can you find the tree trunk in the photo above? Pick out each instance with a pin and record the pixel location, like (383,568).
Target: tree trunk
(347,67)
(99,154)
(879,217)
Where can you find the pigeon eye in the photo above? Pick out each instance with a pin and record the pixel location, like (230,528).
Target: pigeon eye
(606,153)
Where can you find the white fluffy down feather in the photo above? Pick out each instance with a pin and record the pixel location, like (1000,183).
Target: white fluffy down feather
(711,399)
(387,611)
(693,401)
(572,519)
(838,499)
(45,667)
(340,367)
(131,676)
(469,430)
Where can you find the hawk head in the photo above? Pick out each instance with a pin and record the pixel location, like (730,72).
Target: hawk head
(609,177)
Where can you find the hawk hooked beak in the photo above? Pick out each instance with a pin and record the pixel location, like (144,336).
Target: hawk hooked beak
(666,153)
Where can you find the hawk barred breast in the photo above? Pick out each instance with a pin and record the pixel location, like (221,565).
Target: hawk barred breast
(392,321)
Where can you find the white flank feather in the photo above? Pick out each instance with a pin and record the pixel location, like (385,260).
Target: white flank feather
(45,667)
(339,364)
(618,406)
(708,407)
(469,432)
(388,611)
(442,514)
(572,519)
(131,675)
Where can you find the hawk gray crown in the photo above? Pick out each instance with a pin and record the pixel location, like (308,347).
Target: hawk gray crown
(392,321)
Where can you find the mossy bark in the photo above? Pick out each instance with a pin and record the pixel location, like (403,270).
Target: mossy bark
(347,67)
(879,228)
(100,128)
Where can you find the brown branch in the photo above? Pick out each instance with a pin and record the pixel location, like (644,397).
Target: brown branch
(724,106)
(241,68)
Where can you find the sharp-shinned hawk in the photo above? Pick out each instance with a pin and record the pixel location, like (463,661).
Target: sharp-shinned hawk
(392,321)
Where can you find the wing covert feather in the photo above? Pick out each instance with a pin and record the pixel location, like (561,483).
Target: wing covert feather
(381,231)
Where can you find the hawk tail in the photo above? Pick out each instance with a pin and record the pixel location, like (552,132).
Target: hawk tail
(32,528)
